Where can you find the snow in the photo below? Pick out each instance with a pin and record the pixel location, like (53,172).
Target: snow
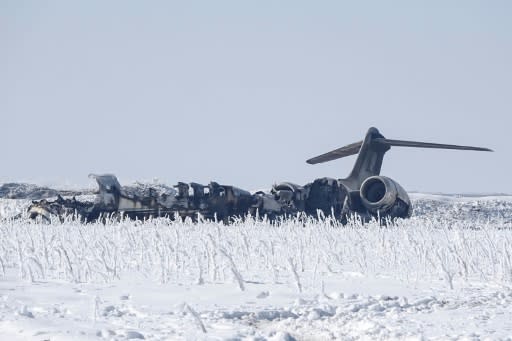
(444,274)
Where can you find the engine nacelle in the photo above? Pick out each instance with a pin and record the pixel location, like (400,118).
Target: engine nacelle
(384,197)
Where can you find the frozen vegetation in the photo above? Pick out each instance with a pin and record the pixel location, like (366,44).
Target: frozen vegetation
(446,273)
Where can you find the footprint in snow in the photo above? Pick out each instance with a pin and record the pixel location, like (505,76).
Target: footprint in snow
(25,312)
(263,294)
(132,334)
(105,333)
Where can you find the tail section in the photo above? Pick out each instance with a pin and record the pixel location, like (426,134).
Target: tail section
(371,154)
(369,160)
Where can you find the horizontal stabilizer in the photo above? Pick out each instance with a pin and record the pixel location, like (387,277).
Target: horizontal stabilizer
(401,143)
(371,154)
(348,150)
(377,142)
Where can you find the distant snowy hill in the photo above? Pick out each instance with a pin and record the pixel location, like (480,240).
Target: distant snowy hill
(469,208)
(33,192)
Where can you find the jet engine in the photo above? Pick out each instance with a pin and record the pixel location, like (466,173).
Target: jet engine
(384,197)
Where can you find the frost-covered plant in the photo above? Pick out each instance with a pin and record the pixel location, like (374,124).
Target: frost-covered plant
(299,250)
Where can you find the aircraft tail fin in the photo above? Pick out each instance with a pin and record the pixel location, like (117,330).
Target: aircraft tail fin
(371,154)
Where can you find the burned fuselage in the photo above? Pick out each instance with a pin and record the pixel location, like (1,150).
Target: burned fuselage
(212,201)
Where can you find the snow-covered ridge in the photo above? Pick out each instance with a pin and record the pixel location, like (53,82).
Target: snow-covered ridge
(461,197)
(35,192)
(473,210)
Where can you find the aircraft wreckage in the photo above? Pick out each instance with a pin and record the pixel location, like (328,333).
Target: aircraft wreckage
(364,193)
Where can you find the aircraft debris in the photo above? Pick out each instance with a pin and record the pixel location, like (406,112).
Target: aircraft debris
(364,192)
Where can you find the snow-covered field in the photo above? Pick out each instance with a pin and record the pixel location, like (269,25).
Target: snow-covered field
(446,273)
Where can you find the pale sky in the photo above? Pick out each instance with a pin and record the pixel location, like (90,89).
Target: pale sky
(244,92)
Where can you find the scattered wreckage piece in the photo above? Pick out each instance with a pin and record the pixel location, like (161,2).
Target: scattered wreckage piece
(60,208)
(364,193)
